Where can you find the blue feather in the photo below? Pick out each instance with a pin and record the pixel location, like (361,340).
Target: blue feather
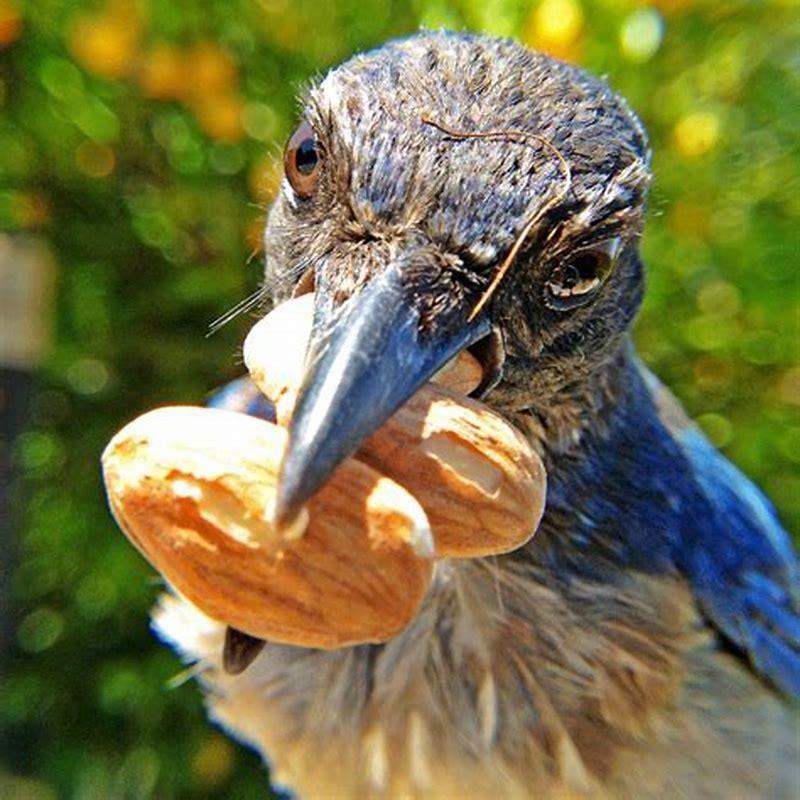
(742,567)
(658,498)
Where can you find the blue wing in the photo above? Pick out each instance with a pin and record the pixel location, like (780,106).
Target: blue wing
(735,554)
(742,567)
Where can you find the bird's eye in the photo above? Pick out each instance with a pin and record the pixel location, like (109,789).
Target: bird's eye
(577,278)
(302,161)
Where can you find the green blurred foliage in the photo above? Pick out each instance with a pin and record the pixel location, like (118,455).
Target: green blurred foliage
(141,141)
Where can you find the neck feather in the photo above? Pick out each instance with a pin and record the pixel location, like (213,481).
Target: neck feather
(578,412)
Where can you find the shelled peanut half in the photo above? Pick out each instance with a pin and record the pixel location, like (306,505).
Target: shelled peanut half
(194,488)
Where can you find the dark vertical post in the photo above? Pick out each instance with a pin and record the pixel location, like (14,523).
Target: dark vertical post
(25,280)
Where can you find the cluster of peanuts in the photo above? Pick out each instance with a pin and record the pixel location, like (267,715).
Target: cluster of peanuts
(445,477)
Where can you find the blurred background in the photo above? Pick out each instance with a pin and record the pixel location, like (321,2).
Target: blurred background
(140,143)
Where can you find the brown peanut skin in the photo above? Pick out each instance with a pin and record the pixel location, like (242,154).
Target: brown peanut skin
(466,519)
(355,575)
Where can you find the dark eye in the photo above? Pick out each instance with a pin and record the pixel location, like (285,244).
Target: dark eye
(577,278)
(302,161)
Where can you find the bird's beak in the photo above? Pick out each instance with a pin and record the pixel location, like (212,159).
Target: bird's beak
(364,360)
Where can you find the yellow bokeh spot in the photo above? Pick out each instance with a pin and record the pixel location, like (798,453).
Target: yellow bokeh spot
(10,23)
(265,178)
(95,160)
(164,73)
(212,70)
(213,761)
(204,77)
(220,116)
(105,45)
(696,134)
(555,27)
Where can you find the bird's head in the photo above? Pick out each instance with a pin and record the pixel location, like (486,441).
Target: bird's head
(452,191)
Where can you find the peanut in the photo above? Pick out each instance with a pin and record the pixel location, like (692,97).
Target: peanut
(481,484)
(275,349)
(192,488)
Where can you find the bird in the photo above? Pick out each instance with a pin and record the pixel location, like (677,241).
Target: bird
(453,191)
